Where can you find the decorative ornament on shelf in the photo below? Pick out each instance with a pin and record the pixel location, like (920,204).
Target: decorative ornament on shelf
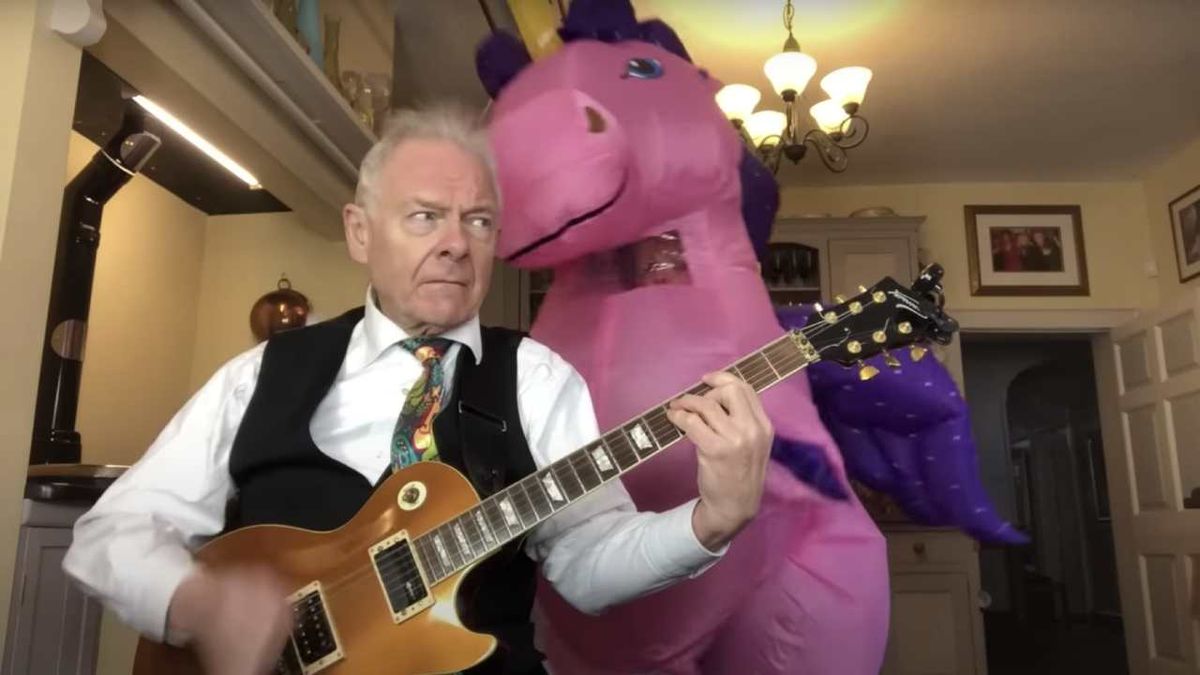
(773,134)
(279,310)
(333,36)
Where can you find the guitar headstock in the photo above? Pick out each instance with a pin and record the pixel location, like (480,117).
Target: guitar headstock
(881,318)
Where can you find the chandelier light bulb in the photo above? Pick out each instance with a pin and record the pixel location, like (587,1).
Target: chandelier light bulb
(847,86)
(829,116)
(789,72)
(737,101)
(765,127)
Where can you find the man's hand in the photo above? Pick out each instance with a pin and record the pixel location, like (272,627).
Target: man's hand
(733,440)
(236,620)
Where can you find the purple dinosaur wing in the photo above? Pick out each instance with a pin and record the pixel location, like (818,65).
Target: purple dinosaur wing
(907,433)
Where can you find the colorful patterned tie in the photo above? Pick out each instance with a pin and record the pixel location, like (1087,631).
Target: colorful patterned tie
(413,439)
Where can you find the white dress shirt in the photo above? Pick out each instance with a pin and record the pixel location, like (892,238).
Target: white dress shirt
(133,548)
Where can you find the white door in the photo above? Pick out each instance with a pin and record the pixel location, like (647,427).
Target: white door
(1148,373)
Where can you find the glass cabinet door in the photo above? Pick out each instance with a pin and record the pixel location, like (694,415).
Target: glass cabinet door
(792,273)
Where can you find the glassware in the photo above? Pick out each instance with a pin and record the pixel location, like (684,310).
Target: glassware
(333,29)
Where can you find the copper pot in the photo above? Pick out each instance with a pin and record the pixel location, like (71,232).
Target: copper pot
(279,310)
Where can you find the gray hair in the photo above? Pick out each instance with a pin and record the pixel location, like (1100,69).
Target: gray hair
(444,121)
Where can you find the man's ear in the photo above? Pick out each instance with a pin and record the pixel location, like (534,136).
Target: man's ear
(358,232)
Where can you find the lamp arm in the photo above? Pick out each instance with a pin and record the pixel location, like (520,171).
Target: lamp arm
(831,154)
(851,138)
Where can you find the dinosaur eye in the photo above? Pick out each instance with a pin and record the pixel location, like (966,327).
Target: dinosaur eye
(643,69)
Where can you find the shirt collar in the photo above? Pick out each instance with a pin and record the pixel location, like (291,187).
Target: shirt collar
(379,333)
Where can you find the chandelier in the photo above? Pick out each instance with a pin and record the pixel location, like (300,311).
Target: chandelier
(773,134)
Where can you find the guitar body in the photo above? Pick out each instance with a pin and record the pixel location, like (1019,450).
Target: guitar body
(369,639)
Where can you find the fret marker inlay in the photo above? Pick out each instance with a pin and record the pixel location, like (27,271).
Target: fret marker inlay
(510,514)
(552,488)
(600,457)
(640,437)
(441,551)
(487,532)
(462,538)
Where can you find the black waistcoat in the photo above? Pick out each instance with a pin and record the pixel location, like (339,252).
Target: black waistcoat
(283,478)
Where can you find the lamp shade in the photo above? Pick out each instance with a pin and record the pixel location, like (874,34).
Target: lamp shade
(829,115)
(764,124)
(847,85)
(737,101)
(790,71)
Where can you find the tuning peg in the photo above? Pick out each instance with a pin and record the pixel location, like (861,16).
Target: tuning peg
(867,371)
(890,360)
(917,353)
(862,289)
(839,298)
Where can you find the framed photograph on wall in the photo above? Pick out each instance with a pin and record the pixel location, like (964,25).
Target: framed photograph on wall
(1185,230)
(1026,250)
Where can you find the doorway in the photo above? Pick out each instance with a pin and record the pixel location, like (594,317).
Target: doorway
(1051,606)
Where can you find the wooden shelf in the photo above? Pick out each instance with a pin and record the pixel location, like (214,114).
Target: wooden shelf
(250,35)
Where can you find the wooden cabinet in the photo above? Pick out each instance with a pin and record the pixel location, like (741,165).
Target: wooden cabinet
(936,625)
(53,628)
(851,251)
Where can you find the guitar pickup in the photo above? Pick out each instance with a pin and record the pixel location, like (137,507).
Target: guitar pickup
(313,645)
(401,575)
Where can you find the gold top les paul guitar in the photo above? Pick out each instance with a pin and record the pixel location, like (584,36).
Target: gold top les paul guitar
(381,588)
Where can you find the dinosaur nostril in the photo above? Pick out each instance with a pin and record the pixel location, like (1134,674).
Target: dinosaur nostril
(595,123)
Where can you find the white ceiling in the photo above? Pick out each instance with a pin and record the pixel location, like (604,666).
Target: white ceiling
(976,89)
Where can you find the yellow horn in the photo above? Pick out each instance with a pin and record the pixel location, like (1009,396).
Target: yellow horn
(537,21)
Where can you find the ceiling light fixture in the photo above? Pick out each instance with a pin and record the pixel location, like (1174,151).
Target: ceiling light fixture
(199,141)
(774,134)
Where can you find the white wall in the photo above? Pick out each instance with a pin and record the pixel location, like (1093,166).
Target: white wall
(1114,227)
(1171,179)
(244,256)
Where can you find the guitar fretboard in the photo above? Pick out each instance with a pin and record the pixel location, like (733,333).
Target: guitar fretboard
(518,508)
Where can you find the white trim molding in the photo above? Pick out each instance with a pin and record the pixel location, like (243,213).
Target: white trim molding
(80,22)
(1042,320)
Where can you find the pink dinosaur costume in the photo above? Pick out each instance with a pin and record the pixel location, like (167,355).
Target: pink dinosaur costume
(618,171)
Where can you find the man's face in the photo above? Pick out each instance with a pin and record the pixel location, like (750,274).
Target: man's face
(429,236)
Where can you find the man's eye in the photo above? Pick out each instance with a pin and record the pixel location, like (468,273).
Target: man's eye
(423,215)
(481,222)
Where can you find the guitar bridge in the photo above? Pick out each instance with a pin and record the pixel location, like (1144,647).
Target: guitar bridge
(401,575)
(313,645)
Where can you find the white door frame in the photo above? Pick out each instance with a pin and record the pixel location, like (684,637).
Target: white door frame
(1083,321)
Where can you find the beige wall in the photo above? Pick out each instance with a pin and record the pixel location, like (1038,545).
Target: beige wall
(1114,229)
(143,313)
(243,258)
(1178,174)
(38,74)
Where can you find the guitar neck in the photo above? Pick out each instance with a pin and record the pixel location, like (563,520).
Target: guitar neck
(518,508)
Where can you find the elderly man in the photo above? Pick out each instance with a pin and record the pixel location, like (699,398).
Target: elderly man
(369,385)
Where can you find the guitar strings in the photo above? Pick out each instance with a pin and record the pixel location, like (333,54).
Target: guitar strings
(783,364)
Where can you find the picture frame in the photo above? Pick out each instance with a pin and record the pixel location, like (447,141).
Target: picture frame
(1021,250)
(1184,211)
